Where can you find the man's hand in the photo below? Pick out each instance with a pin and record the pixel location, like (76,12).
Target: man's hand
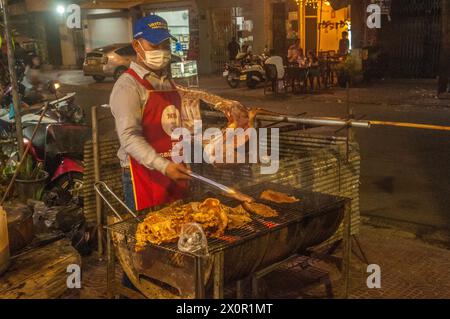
(178,172)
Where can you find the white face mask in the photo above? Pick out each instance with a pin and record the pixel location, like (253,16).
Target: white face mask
(156,59)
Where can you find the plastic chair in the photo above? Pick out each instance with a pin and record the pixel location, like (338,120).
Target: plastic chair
(272,80)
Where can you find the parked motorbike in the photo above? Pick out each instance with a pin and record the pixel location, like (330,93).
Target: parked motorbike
(58,145)
(50,93)
(60,110)
(247,68)
(60,149)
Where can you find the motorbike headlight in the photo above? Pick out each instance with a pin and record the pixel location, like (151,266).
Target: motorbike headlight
(56,86)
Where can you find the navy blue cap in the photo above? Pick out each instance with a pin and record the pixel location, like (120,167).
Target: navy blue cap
(152,28)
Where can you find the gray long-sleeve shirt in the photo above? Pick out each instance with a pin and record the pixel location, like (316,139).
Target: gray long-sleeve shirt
(127,101)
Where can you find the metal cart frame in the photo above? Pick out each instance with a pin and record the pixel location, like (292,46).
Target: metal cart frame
(115,289)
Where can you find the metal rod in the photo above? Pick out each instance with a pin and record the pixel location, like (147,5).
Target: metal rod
(110,266)
(199,285)
(255,287)
(315,121)
(332,121)
(349,128)
(412,125)
(98,202)
(99,191)
(320,28)
(347,249)
(13,79)
(239,290)
(24,155)
(218,275)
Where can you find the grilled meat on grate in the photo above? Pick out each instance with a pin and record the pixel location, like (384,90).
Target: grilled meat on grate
(277,197)
(164,226)
(237,217)
(260,209)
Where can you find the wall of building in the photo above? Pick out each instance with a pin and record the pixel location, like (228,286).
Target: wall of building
(104,27)
(69,54)
(205,63)
(332,27)
(261,25)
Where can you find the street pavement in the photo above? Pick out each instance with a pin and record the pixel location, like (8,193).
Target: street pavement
(405,178)
(409,269)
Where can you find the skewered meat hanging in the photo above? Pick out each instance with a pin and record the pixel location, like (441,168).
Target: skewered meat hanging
(238,116)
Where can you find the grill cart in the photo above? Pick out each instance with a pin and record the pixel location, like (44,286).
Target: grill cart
(163,271)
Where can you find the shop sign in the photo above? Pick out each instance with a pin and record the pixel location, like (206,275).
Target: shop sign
(331,25)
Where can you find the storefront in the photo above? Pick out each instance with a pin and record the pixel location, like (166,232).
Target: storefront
(182,19)
(106,23)
(216,23)
(318,26)
(248,21)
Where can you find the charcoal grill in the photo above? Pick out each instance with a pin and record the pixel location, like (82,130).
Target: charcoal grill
(162,271)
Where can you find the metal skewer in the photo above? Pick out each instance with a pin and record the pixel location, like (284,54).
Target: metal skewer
(225,189)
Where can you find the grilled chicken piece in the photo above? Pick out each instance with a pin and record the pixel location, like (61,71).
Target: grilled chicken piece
(238,217)
(277,197)
(260,209)
(165,226)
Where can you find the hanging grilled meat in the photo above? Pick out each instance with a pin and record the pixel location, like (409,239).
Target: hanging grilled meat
(164,226)
(238,116)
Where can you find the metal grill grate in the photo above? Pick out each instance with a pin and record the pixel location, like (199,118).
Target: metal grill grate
(310,204)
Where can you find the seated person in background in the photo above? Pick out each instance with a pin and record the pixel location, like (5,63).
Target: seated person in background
(33,80)
(301,58)
(293,52)
(314,70)
(233,49)
(278,62)
(344,44)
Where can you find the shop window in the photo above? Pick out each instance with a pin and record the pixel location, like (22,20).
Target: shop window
(178,23)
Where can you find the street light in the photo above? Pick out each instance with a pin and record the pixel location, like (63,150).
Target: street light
(60,9)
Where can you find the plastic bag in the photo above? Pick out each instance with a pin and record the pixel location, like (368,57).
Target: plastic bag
(44,218)
(193,240)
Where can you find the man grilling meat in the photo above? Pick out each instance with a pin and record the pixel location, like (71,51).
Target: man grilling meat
(147,107)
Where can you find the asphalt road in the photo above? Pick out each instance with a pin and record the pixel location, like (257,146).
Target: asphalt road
(405,172)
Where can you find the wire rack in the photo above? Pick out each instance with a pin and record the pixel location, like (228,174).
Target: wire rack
(309,204)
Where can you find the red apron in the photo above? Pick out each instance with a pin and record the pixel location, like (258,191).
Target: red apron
(161,115)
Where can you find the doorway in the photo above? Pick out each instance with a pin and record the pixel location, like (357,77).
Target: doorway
(279,28)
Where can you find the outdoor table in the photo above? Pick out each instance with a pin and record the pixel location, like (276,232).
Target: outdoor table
(329,67)
(40,272)
(297,73)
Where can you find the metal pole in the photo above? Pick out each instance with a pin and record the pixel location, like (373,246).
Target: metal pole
(315,121)
(199,274)
(444,67)
(334,121)
(347,249)
(218,275)
(320,28)
(349,128)
(98,201)
(13,79)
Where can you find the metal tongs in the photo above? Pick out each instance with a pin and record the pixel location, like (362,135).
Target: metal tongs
(229,192)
